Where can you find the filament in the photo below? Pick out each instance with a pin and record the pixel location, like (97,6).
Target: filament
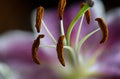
(49,33)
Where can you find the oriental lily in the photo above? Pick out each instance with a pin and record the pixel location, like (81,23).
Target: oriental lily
(68,51)
(15,49)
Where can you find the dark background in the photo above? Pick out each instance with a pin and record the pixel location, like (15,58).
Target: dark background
(15,14)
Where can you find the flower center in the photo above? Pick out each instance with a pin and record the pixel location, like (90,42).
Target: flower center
(76,59)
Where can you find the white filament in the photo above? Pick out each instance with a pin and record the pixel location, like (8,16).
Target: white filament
(78,33)
(62,30)
(49,33)
(86,37)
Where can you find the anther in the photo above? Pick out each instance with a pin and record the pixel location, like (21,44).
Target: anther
(61,7)
(104,29)
(39,15)
(87,14)
(60,50)
(90,3)
(35,49)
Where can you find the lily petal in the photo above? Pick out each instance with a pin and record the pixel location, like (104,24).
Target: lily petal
(15,52)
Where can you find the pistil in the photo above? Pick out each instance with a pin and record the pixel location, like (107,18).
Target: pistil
(76,18)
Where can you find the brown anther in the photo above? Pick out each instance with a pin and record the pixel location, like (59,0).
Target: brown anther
(35,47)
(87,13)
(39,15)
(60,50)
(61,7)
(90,3)
(104,28)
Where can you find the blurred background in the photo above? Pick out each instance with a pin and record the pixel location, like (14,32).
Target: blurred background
(16,14)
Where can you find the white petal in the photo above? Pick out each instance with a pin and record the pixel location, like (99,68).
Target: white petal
(99,9)
(112,14)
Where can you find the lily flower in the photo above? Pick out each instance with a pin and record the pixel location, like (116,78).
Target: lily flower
(61,56)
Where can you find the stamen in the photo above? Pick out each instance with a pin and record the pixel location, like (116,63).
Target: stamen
(86,37)
(78,48)
(39,15)
(62,30)
(87,14)
(35,48)
(49,33)
(61,7)
(78,33)
(104,29)
(90,3)
(60,50)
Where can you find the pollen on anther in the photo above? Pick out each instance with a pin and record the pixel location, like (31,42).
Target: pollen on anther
(104,28)
(39,15)
(60,50)
(87,13)
(61,7)
(35,49)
